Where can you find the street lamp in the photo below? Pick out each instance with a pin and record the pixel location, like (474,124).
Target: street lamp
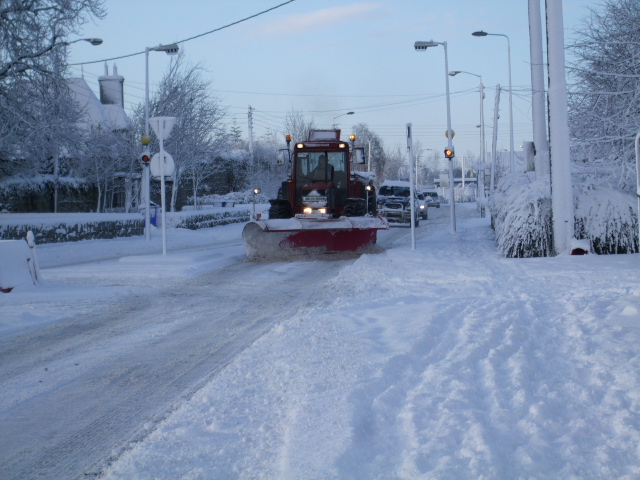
(482,144)
(421,46)
(92,41)
(484,34)
(170,49)
(341,115)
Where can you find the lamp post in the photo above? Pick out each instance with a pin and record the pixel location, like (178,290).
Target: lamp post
(482,140)
(481,33)
(170,49)
(341,115)
(420,46)
(56,159)
(256,191)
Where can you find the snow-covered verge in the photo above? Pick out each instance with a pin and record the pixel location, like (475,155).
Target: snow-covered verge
(521,209)
(449,361)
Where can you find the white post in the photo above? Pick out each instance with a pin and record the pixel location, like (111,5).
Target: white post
(162,127)
(163,198)
(412,202)
(561,189)
(482,153)
(146,176)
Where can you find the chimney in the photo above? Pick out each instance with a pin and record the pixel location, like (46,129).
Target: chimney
(111,87)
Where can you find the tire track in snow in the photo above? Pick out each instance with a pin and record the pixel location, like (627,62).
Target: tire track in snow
(147,358)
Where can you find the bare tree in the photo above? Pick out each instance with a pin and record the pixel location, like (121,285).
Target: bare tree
(198,135)
(298,126)
(31,30)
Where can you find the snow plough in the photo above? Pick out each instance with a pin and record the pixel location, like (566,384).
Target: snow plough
(323,207)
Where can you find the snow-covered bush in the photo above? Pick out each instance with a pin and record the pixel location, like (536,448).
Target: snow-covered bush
(521,215)
(607,218)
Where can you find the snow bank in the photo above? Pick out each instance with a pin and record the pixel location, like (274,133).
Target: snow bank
(18,265)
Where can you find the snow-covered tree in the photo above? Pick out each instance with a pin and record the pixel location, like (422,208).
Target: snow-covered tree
(372,144)
(32,30)
(199,134)
(38,120)
(605,97)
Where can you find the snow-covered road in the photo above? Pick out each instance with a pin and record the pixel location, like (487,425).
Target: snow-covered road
(86,388)
(444,362)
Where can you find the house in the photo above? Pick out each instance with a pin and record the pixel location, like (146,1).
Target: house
(108,113)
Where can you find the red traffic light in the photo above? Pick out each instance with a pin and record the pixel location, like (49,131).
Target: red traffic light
(145,158)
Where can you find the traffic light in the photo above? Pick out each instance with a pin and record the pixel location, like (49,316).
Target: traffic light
(449,153)
(145,157)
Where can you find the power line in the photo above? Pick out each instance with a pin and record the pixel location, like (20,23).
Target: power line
(194,37)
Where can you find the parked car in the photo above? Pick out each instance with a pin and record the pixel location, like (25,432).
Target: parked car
(432,198)
(394,202)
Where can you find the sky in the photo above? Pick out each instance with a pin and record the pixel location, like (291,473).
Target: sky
(326,58)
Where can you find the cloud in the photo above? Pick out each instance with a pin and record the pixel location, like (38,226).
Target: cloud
(319,18)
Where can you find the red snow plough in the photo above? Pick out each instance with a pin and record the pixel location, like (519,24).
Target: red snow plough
(322,207)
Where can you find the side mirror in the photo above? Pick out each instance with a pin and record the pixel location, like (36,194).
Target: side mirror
(358,155)
(283,156)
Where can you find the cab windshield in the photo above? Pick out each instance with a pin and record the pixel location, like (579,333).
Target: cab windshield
(321,179)
(392,191)
(321,167)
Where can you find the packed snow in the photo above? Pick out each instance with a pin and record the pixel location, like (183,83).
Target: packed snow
(447,361)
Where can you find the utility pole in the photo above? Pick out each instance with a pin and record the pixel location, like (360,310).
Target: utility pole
(250,120)
(540,140)
(494,141)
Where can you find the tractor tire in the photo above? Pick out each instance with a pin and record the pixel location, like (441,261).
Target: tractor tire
(280,208)
(355,207)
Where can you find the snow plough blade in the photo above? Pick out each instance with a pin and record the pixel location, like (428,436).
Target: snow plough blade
(282,237)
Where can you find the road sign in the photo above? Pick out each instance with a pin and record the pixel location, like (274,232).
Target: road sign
(168,166)
(162,126)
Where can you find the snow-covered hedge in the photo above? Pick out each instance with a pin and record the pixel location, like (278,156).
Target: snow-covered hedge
(72,227)
(207,219)
(607,218)
(521,215)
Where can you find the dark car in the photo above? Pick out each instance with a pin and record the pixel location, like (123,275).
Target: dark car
(394,202)
(432,198)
